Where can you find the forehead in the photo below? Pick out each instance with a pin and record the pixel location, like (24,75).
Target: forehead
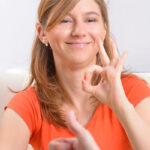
(86,6)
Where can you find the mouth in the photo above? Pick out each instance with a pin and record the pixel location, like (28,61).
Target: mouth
(78,44)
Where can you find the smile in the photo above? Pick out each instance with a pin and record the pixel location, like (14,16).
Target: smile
(78,44)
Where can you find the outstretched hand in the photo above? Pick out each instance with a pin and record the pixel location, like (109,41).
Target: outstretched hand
(109,90)
(82,141)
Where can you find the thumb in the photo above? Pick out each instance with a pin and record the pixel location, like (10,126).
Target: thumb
(74,126)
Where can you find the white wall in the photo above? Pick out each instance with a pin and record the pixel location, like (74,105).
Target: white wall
(130,24)
(129,20)
(17,28)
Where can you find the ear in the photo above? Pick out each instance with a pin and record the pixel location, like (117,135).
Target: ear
(41,33)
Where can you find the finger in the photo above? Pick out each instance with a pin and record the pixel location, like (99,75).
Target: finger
(93,69)
(87,87)
(88,75)
(71,140)
(114,54)
(74,126)
(103,55)
(62,140)
(61,143)
(87,79)
(121,61)
(68,141)
(83,135)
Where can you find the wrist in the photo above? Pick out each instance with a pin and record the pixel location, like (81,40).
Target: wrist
(123,109)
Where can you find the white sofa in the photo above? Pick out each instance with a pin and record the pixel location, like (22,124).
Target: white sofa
(17,78)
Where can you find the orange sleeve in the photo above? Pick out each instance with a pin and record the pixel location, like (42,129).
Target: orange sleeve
(136,89)
(26,105)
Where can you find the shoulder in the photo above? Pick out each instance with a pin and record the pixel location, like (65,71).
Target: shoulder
(27,96)
(136,89)
(131,79)
(26,99)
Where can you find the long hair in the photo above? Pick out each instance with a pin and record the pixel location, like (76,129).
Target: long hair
(43,74)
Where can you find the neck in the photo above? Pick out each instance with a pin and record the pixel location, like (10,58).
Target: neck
(71,81)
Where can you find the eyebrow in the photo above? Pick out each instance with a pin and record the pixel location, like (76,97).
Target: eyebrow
(92,12)
(87,13)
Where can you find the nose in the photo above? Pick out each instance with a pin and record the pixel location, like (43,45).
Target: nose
(78,30)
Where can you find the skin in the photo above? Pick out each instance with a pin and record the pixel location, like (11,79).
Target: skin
(75,28)
(72,63)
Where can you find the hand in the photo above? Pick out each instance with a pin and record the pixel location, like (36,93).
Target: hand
(109,90)
(83,140)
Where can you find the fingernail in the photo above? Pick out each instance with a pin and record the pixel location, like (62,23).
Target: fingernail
(84,77)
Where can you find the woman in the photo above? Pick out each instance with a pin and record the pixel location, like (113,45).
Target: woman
(75,66)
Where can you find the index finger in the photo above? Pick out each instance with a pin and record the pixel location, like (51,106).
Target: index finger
(103,55)
(74,125)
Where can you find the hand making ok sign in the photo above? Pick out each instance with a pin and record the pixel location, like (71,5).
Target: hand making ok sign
(109,90)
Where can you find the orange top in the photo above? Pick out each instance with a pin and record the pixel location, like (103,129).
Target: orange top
(104,125)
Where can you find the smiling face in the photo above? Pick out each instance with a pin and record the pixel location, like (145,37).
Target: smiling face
(74,40)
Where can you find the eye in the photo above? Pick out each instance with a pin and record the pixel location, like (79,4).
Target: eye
(65,21)
(91,20)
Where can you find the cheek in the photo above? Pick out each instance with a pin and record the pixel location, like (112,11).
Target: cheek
(99,33)
(61,31)
(53,39)
(58,35)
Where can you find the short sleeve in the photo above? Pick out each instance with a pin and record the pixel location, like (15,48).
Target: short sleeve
(26,105)
(136,89)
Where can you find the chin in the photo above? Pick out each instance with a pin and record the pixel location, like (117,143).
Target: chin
(80,62)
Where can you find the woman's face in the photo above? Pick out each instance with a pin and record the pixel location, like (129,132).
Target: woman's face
(75,39)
